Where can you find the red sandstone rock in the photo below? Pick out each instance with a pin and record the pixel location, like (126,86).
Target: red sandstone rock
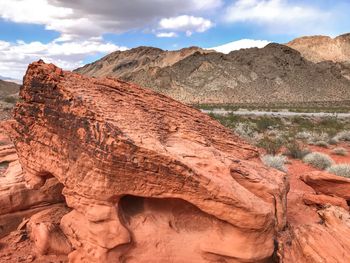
(148,178)
(16,200)
(322,200)
(44,230)
(328,184)
(326,242)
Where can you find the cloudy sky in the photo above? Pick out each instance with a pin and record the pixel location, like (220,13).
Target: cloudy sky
(71,33)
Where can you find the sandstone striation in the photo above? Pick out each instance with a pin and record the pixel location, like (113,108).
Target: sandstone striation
(148,179)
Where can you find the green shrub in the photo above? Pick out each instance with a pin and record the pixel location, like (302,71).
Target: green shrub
(333,141)
(321,144)
(271,145)
(303,123)
(343,136)
(275,161)
(318,160)
(264,123)
(296,150)
(340,151)
(340,169)
(244,130)
(303,135)
(331,125)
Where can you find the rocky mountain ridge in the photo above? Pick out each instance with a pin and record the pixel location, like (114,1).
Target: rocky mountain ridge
(323,48)
(273,74)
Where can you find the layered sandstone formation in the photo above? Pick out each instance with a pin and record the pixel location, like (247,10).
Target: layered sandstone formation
(148,179)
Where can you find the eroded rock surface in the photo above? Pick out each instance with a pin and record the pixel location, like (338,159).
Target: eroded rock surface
(328,184)
(318,221)
(17,200)
(148,178)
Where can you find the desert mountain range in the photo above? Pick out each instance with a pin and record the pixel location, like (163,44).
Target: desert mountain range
(323,48)
(305,70)
(8,88)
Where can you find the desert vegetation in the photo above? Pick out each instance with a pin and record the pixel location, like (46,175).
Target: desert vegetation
(275,161)
(340,169)
(313,140)
(319,160)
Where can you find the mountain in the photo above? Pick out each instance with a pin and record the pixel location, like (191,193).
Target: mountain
(323,48)
(8,88)
(270,75)
(124,64)
(240,44)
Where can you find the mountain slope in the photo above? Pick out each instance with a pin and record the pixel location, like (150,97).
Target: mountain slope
(274,74)
(8,88)
(322,48)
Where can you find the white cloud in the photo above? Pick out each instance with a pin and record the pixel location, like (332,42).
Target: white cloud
(239,44)
(15,57)
(277,15)
(75,19)
(185,23)
(166,34)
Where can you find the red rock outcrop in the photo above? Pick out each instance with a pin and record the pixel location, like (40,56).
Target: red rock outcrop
(17,201)
(328,184)
(318,223)
(148,178)
(328,241)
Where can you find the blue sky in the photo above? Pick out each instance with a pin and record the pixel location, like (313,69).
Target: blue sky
(72,33)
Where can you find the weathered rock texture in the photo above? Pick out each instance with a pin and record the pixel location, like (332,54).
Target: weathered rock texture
(322,48)
(148,178)
(328,184)
(275,74)
(328,52)
(318,221)
(17,201)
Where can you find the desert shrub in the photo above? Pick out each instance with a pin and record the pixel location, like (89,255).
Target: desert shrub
(296,150)
(330,125)
(333,141)
(343,136)
(321,144)
(340,151)
(271,145)
(275,161)
(302,122)
(244,130)
(318,160)
(317,137)
(229,120)
(340,169)
(264,123)
(303,135)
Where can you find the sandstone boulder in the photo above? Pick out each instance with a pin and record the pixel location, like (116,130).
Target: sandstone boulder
(44,230)
(323,200)
(328,184)
(328,241)
(148,178)
(17,201)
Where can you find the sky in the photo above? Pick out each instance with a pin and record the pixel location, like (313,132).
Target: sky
(71,33)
